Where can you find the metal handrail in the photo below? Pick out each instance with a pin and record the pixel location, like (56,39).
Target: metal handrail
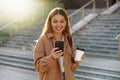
(7,25)
(83,10)
(108,3)
(80,9)
(117,37)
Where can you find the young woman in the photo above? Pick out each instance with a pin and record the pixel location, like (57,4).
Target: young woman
(49,63)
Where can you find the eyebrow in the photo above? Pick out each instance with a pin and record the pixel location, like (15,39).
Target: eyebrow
(56,19)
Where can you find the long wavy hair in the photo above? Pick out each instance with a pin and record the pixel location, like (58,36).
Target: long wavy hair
(48,26)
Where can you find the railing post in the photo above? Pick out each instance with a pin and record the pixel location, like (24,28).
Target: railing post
(70,21)
(118,38)
(116,1)
(94,6)
(107,4)
(83,13)
(119,47)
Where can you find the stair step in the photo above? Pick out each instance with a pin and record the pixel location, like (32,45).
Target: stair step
(21,42)
(101,55)
(98,74)
(101,63)
(16,53)
(101,70)
(93,69)
(83,77)
(92,52)
(16,58)
(13,57)
(114,44)
(100,22)
(27,38)
(88,32)
(16,73)
(17,65)
(97,35)
(98,31)
(97,38)
(99,48)
(29,47)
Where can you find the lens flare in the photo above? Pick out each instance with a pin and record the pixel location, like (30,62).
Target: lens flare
(16,7)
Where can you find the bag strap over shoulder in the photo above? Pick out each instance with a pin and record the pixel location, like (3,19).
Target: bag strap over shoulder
(70,41)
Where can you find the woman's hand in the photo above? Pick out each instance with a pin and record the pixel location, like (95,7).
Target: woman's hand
(56,54)
(81,59)
(75,65)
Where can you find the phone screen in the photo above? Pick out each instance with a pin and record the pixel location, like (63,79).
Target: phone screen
(60,45)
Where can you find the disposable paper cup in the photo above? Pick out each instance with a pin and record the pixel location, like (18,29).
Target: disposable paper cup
(79,54)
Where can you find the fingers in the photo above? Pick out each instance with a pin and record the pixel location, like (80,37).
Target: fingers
(53,50)
(59,51)
(56,54)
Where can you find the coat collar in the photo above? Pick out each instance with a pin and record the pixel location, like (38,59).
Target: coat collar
(50,35)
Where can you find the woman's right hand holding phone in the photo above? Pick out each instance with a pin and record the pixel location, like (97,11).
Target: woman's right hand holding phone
(56,53)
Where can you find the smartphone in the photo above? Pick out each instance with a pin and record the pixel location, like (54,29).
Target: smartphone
(60,45)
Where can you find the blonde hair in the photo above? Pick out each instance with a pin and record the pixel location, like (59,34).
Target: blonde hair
(48,26)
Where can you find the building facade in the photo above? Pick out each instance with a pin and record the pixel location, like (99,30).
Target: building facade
(75,4)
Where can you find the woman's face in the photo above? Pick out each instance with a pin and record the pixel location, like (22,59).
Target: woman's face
(58,24)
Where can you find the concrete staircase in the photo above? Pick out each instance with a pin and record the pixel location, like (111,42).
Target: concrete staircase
(98,69)
(77,17)
(98,38)
(25,38)
(17,58)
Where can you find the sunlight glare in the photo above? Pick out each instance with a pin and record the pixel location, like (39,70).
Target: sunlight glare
(16,7)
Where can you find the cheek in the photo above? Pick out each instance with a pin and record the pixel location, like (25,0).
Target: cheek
(64,25)
(53,26)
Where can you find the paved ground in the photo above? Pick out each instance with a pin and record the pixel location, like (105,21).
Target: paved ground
(14,73)
(10,73)
(102,63)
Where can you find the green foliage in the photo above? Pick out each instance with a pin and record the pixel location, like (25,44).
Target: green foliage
(4,34)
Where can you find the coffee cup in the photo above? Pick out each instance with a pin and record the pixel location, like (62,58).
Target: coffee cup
(79,54)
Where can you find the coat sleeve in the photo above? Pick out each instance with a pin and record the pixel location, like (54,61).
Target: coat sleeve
(73,49)
(42,62)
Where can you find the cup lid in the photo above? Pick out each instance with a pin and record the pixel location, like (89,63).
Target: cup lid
(80,49)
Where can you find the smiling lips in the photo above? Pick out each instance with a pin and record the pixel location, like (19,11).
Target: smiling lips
(58,28)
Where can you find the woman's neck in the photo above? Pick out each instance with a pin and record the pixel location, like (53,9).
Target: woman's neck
(58,36)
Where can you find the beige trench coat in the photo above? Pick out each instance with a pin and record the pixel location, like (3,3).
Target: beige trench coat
(48,68)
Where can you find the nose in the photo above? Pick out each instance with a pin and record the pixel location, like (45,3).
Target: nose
(58,24)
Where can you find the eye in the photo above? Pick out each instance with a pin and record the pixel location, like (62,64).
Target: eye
(62,21)
(54,21)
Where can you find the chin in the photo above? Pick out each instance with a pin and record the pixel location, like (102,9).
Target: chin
(58,32)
